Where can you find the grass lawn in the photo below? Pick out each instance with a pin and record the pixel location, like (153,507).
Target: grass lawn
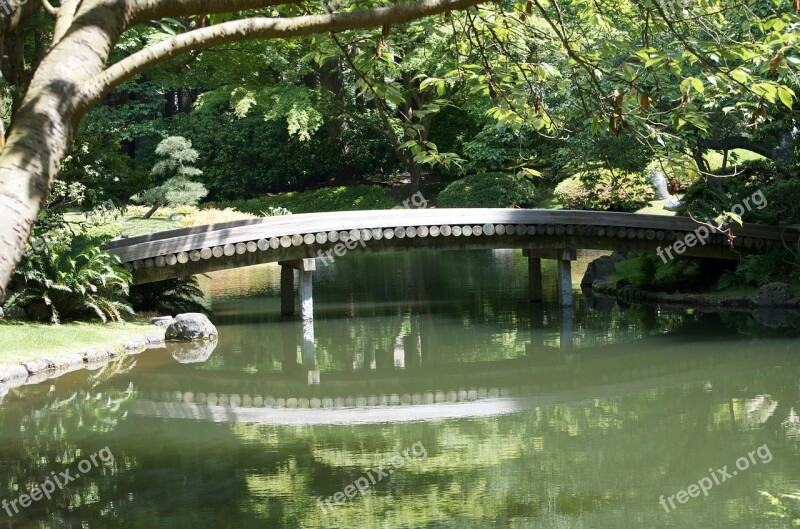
(133,226)
(736,156)
(656,207)
(342,198)
(548,199)
(29,341)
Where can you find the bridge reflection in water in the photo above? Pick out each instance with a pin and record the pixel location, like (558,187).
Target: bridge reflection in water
(546,375)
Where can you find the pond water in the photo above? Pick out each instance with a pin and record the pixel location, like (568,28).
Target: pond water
(435,395)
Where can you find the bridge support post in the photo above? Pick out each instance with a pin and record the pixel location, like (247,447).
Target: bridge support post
(306,298)
(563,258)
(534,279)
(305,267)
(287,290)
(564,264)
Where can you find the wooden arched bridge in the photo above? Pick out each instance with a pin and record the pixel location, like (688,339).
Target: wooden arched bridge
(296,241)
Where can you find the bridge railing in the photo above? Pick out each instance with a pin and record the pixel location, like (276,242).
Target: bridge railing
(314,228)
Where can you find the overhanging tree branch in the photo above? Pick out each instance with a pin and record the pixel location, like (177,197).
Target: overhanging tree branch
(50,8)
(145,10)
(265,28)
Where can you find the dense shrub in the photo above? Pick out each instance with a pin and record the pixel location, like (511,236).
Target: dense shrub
(95,234)
(97,161)
(324,199)
(681,274)
(494,148)
(488,190)
(604,190)
(782,204)
(248,157)
(620,153)
(758,270)
(700,201)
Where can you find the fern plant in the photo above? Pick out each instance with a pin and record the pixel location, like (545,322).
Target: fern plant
(756,270)
(172,296)
(88,285)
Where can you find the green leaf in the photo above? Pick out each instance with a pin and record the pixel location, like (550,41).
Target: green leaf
(786,95)
(734,217)
(740,76)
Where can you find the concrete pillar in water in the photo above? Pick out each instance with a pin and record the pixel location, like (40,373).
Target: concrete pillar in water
(305,267)
(563,258)
(306,298)
(535,279)
(287,290)
(564,265)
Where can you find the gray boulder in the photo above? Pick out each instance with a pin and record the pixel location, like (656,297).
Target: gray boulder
(12,371)
(190,327)
(672,203)
(773,295)
(37,366)
(601,268)
(162,321)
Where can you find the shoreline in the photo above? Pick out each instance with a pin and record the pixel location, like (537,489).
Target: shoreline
(55,365)
(772,312)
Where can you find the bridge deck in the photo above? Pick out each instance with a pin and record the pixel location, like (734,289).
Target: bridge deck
(200,249)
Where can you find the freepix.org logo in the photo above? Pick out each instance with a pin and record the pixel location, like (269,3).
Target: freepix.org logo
(57,482)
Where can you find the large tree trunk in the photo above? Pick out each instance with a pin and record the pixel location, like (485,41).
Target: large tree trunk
(415,170)
(711,181)
(44,127)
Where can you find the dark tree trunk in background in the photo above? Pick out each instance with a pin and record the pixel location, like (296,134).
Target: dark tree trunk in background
(170,103)
(185,100)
